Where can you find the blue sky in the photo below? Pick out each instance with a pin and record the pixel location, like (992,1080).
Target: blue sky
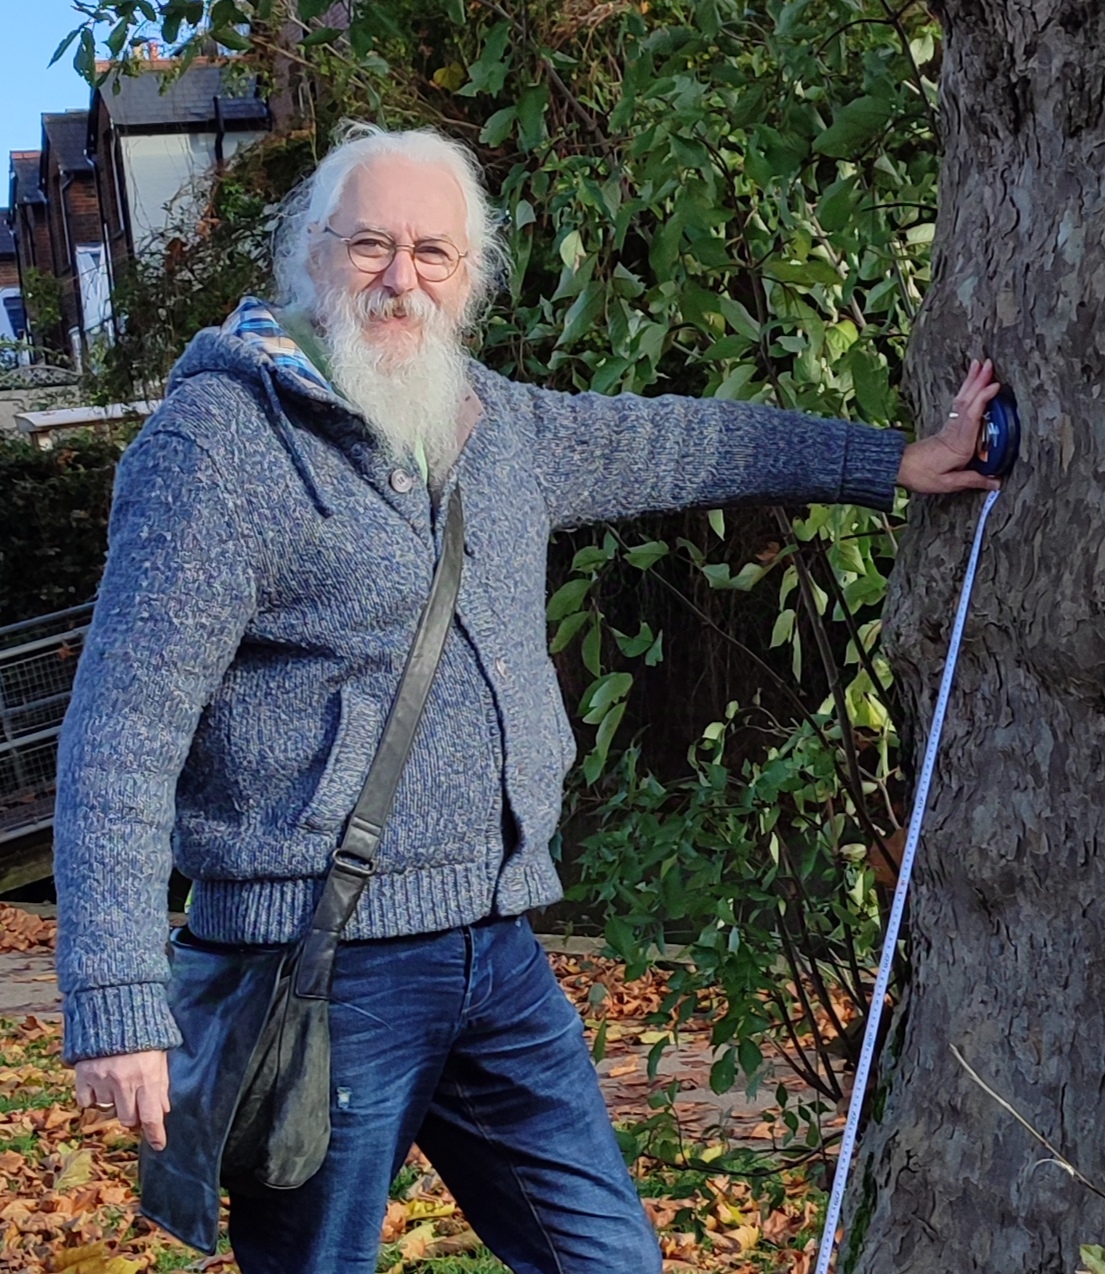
(30,34)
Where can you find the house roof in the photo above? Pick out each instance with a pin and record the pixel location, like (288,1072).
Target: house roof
(7,243)
(146,100)
(65,135)
(24,173)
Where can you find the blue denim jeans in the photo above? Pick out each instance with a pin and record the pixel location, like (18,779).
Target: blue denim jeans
(462,1041)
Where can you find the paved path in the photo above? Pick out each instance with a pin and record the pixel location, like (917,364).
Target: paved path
(28,986)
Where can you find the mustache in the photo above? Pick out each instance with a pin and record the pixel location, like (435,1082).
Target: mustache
(376,304)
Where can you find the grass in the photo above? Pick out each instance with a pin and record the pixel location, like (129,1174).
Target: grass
(25,1145)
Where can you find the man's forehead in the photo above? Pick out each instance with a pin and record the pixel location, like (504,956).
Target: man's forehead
(395,188)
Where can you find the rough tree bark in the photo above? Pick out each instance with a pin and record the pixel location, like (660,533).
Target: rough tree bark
(1008,904)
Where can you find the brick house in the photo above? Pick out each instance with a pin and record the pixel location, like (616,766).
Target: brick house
(152,139)
(13,321)
(67,180)
(30,229)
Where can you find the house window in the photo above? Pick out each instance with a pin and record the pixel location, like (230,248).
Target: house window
(95,288)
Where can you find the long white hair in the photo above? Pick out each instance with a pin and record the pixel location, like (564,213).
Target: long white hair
(314,200)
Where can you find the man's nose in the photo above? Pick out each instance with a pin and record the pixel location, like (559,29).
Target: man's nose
(401,277)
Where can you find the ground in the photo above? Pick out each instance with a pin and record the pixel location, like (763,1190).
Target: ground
(67,1198)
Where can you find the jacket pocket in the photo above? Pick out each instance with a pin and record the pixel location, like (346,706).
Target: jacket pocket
(351,752)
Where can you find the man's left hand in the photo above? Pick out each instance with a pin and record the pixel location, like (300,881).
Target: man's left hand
(936,465)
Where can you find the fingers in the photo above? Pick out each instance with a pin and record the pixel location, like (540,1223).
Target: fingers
(970,403)
(138,1086)
(969,480)
(152,1108)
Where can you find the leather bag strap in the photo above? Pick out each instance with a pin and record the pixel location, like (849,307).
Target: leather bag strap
(353,862)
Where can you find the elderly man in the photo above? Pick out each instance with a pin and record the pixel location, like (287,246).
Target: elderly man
(274,531)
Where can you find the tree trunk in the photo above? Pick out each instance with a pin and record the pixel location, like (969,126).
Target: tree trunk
(1008,901)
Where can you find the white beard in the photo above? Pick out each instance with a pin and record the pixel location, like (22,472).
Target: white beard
(410,397)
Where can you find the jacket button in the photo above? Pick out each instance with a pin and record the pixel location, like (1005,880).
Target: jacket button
(401,481)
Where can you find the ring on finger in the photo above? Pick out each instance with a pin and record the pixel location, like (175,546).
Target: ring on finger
(953,415)
(103,1105)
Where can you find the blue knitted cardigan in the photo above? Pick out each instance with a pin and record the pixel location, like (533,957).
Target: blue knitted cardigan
(267,566)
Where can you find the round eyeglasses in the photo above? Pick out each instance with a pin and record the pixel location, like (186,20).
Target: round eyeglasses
(371,252)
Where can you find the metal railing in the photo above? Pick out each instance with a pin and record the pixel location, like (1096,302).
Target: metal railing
(38,659)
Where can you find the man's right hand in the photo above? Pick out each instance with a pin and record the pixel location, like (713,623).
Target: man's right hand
(136,1084)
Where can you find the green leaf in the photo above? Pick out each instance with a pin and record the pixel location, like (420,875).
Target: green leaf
(664,250)
(749,575)
(499,127)
(591,557)
(750,1056)
(323,35)
(567,598)
(451,78)
(716,519)
(572,250)
(118,37)
(456,12)
(84,60)
(583,313)
(488,73)
(591,650)
(806,273)
(739,318)
(728,347)
(1093,1257)
(723,1073)
(309,10)
(642,556)
(625,283)
(64,45)
(598,1048)
(784,628)
(871,384)
(231,39)
(747,108)
(836,206)
(735,384)
(608,727)
(531,116)
(606,691)
(634,646)
(853,126)
(567,630)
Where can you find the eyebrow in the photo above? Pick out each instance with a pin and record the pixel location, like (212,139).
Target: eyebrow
(364,227)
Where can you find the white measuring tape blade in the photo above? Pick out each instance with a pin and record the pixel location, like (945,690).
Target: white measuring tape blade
(882,982)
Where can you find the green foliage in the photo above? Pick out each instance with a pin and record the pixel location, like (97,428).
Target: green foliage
(709,197)
(201,271)
(53,523)
(42,297)
(1093,1257)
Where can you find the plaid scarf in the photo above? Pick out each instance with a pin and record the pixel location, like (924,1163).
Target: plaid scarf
(254,321)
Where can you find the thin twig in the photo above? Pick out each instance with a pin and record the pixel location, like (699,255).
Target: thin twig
(1059,1158)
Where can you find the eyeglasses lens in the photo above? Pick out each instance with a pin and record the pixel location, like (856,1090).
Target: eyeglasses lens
(434,259)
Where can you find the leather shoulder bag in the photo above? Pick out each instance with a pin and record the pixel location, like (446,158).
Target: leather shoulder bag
(250,1083)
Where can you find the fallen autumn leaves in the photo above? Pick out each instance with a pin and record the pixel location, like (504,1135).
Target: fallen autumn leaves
(67,1178)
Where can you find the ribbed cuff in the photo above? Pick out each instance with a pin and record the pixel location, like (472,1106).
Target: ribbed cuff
(872,458)
(109,1020)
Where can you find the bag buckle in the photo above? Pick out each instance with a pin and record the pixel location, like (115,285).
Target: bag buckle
(352,864)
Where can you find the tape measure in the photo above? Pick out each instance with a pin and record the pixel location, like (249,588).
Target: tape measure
(999,441)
